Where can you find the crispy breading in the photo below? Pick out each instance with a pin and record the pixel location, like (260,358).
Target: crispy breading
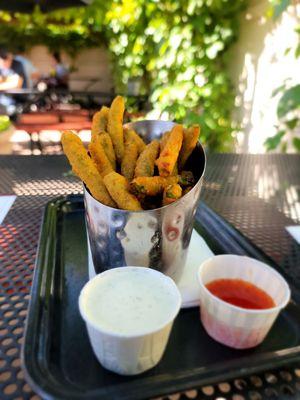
(70,137)
(171,194)
(163,140)
(131,134)
(169,155)
(99,157)
(84,167)
(190,139)
(162,144)
(175,169)
(129,160)
(120,170)
(118,188)
(151,186)
(115,126)
(107,145)
(99,123)
(186,178)
(146,162)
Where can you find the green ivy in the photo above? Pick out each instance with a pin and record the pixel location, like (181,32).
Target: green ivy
(289,101)
(288,108)
(288,113)
(69,30)
(175,51)
(4,123)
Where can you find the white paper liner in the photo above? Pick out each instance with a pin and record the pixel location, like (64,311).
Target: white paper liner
(234,326)
(188,284)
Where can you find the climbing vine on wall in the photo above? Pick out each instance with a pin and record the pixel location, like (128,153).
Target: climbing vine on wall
(173,51)
(288,109)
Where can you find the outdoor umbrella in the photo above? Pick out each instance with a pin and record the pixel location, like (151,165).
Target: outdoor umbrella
(27,6)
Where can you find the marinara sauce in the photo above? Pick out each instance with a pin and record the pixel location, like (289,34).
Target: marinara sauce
(240,293)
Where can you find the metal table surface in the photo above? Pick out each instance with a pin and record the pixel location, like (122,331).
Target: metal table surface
(258,194)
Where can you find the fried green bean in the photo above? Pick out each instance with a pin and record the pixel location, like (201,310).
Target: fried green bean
(190,138)
(151,186)
(99,123)
(163,140)
(146,162)
(118,188)
(84,167)
(129,160)
(131,134)
(186,178)
(107,145)
(171,194)
(115,126)
(162,143)
(169,155)
(99,157)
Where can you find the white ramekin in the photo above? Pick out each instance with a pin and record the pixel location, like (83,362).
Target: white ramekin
(234,326)
(133,353)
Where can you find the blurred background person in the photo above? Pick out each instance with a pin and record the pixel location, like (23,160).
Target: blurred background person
(31,72)
(58,78)
(12,76)
(12,73)
(60,72)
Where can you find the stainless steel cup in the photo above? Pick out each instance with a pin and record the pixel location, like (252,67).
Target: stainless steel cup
(157,238)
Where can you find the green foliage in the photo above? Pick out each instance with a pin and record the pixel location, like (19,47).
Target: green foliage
(278,7)
(289,101)
(288,108)
(174,50)
(71,30)
(4,123)
(177,51)
(296,143)
(289,118)
(273,142)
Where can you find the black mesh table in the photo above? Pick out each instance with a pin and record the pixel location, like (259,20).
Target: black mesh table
(258,194)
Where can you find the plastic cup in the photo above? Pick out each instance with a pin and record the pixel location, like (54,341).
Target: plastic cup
(234,326)
(140,348)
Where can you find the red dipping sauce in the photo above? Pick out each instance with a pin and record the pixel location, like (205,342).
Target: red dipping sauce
(240,293)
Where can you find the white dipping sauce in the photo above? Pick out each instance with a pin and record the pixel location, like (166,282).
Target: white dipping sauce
(130,301)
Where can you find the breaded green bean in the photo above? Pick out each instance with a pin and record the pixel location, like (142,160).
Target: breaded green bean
(186,178)
(107,145)
(131,134)
(162,143)
(163,140)
(190,139)
(171,194)
(129,160)
(118,188)
(70,137)
(115,126)
(99,157)
(84,167)
(175,169)
(151,186)
(146,162)
(169,155)
(99,123)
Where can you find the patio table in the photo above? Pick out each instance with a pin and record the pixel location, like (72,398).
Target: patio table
(258,194)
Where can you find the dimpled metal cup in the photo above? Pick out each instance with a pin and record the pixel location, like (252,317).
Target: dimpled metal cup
(157,238)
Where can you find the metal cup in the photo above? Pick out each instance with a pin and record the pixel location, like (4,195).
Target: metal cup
(157,238)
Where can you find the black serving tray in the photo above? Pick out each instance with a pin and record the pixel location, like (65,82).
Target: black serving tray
(57,357)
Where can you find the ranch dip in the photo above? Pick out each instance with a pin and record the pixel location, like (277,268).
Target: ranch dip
(130,301)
